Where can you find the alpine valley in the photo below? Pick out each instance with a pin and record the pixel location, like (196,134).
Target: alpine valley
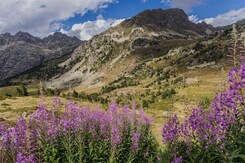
(158,59)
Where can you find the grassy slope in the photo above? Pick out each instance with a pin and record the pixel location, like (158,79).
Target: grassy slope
(200,83)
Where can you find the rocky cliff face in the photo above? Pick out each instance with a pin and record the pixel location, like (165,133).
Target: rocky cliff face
(151,33)
(171,19)
(22,51)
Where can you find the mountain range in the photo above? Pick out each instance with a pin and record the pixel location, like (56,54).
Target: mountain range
(117,52)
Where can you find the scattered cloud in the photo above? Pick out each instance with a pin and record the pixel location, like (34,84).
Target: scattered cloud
(41,17)
(226,18)
(88,29)
(165,1)
(100,16)
(193,18)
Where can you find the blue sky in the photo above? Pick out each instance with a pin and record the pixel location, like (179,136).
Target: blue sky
(85,18)
(212,8)
(129,8)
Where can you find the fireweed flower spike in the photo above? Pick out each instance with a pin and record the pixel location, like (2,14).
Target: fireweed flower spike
(76,134)
(170,131)
(135,141)
(213,129)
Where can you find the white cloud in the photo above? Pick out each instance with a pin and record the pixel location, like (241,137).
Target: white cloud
(165,1)
(193,18)
(88,29)
(41,17)
(186,5)
(223,19)
(100,16)
(226,18)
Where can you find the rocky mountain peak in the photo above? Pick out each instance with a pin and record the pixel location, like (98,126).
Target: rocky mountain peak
(160,14)
(59,39)
(26,37)
(5,38)
(158,19)
(22,34)
(56,35)
(5,35)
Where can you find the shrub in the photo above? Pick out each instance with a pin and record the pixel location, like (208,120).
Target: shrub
(168,93)
(145,104)
(75,94)
(22,91)
(8,95)
(49,92)
(178,80)
(2,98)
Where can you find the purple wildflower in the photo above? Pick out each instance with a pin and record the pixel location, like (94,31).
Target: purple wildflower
(25,159)
(115,137)
(211,127)
(135,140)
(170,131)
(177,159)
(45,125)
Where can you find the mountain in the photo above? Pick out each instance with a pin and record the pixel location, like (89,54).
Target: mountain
(161,20)
(118,50)
(22,51)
